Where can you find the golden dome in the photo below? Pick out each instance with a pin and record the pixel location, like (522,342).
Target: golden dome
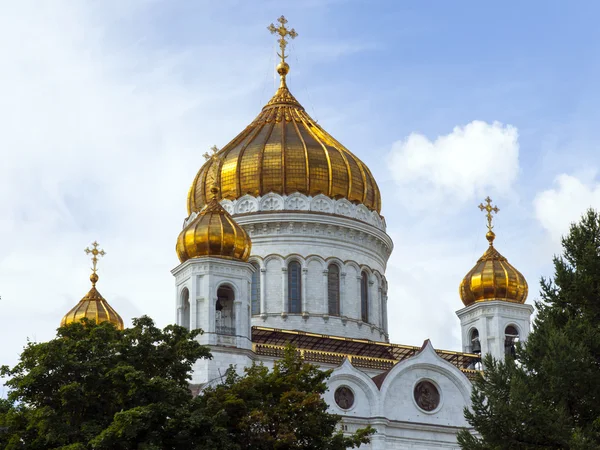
(213,233)
(493,278)
(93,306)
(285,151)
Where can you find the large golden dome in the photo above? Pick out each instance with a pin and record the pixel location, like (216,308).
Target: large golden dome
(213,233)
(493,277)
(93,306)
(285,151)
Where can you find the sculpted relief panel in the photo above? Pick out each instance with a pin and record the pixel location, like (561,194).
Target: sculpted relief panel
(300,202)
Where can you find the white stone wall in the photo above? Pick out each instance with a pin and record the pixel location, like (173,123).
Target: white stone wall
(317,240)
(491,318)
(202,277)
(390,408)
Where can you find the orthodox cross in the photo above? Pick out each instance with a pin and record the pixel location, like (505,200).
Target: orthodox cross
(283,32)
(490,209)
(95,253)
(216,160)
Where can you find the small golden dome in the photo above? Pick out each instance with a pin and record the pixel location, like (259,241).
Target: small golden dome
(285,151)
(493,278)
(213,233)
(93,306)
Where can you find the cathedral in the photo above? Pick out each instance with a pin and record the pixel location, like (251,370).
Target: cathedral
(284,243)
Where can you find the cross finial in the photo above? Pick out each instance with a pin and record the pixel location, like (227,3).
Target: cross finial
(95,253)
(283,32)
(489,210)
(216,159)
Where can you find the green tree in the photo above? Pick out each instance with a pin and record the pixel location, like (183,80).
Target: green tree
(549,397)
(279,409)
(94,386)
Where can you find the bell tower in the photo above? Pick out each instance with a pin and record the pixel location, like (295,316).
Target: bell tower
(495,316)
(213,286)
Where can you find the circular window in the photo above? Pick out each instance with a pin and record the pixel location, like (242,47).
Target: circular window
(427,395)
(344,397)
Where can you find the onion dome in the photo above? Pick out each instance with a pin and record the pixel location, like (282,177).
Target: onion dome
(493,277)
(213,232)
(285,151)
(93,306)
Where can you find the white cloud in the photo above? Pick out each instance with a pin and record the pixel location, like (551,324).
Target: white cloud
(564,204)
(477,159)
(101,138)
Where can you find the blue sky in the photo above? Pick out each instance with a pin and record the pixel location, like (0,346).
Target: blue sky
(108,106)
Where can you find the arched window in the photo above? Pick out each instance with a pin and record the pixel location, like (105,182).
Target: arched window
(364,297)
(294,287)
(224,315)
(511,337)
(475,345)
(255,290)
(333,289)
(185,308)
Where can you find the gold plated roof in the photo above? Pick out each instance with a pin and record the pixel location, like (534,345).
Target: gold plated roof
(285,151)
(493,277)
(213,233)
(93,306)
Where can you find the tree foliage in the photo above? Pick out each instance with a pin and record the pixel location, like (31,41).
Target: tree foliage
(95,387)
(549,397)
(280,409)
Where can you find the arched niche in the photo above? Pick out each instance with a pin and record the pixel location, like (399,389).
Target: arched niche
(224,311)
(184,298)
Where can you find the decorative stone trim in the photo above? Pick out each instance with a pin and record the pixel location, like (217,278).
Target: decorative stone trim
(300,202)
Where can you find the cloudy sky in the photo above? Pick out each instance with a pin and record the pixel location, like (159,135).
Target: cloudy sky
(107,107)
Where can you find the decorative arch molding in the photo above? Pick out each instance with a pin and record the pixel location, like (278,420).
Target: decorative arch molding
(233,286)
(317,259)
(428,359)
(255,259)
(346,373)
(273,257)
(295,257)
(300,202)
(353,265)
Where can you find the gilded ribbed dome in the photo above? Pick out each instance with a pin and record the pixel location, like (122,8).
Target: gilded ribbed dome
(93,307)
(285,151)
(493,278)
(213,233)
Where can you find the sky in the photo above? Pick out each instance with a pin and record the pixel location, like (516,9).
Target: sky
(107,107)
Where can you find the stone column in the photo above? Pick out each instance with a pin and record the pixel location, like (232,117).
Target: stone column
(263,292)
(193,289)
(325,293)
(304,277)
(360,306)
(284,292)
(342,293)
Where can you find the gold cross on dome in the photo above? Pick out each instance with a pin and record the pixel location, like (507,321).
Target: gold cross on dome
(214,149)
(95,253)
(215,161)
(283,32)
(490,209)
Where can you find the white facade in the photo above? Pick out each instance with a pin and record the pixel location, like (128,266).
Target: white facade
(418,403)
(494,326)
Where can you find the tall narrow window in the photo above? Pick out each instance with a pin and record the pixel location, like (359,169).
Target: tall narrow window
(185,308)
(333,289)
(255,290)
(364,297)
(511,337)
(294,287)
